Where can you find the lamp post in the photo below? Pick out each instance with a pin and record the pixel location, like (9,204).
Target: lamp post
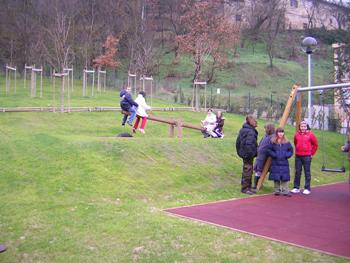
(309,45)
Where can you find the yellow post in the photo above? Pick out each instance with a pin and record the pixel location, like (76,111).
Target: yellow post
(298,111)
(283,122)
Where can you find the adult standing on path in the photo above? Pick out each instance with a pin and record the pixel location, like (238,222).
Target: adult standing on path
(246,146)
(306,145)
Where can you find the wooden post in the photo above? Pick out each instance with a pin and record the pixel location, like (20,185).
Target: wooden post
(7,81)
(171,130)
(15,79)
(179,128)
(69,90)
(98,79)
(53,91)
(84,83)
(32,89)
(41,82)
(193,93)
(93,83)
(298,111)
(72,79)
(62,95)
(283,122)
(25,76)
(174,123)
(104,81)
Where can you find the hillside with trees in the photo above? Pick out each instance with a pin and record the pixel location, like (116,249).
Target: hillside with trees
(176,42)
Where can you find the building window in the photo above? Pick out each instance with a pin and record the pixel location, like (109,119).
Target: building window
(294,3)
(305,25)
(238,18)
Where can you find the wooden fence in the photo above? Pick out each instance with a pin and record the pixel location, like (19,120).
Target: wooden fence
(84,109)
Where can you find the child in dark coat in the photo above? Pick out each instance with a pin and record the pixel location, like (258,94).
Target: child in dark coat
(280,150)
(220,122)
(129,105)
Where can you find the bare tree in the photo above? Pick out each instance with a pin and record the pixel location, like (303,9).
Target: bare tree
(18,30)
(55,42)
(265,22)
(207,31)
(257,14)
(272,27)
(312,10)
(341,13)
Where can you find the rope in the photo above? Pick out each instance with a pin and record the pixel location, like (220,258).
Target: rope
(324,168)
(322,134)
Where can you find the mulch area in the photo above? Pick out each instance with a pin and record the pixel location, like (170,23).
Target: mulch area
(320,221)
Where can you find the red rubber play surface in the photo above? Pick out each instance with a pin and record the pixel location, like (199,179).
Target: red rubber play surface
(320,221)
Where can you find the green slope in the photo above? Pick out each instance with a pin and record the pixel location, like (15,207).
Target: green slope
(71,191)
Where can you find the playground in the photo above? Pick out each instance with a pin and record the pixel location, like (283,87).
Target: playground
(73,190)
(317,222)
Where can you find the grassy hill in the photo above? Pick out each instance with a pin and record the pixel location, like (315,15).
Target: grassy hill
(248,72)
(72,192)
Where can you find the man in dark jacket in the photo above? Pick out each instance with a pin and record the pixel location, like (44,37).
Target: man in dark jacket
(246,146)
(129,105)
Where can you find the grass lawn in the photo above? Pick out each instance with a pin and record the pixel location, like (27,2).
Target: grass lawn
(72,192)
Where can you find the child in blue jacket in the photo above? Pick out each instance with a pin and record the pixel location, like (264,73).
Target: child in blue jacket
(280,150)
(129,105)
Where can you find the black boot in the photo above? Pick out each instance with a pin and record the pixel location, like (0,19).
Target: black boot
(256,180)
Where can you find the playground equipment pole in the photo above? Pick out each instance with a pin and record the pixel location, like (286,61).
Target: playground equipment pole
(309,45)
(296,91)
(309,84)
(197,85)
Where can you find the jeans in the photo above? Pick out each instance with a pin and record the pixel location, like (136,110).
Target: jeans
(246,182)
(300,162)
(132,111)
(132,114)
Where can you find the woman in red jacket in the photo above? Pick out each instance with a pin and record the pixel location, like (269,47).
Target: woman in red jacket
(306,145)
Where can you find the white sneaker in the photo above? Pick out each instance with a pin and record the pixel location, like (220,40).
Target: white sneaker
(306,192)
(295,191)
(142,131)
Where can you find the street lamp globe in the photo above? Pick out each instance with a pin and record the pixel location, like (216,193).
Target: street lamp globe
(309,45)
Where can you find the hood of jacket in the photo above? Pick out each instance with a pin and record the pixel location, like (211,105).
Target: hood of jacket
(122,93)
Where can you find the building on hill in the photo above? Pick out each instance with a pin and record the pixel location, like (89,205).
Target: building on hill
(299,14)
